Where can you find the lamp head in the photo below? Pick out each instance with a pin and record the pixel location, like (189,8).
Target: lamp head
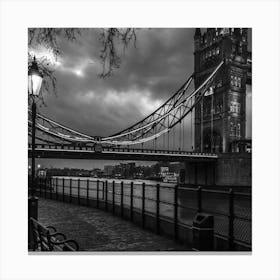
(35,79)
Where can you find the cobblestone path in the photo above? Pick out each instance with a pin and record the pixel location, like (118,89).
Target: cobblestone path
(97,230)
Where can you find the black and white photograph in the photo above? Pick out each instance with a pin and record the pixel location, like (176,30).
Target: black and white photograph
(140,139)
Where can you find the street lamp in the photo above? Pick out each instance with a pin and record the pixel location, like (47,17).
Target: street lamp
(35,79)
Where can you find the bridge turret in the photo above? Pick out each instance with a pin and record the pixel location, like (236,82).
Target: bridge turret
(220,118)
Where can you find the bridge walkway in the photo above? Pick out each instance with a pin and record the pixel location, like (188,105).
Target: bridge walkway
(97,230)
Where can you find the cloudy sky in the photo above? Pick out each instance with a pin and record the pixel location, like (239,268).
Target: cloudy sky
(149,74)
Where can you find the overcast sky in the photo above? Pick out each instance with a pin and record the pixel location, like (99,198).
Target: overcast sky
(149,74)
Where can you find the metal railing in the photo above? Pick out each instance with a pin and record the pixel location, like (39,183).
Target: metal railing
(176,205)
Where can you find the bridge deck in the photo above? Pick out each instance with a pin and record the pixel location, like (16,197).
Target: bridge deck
(96,230)
(47,151)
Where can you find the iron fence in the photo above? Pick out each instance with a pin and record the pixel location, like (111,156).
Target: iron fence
(176,204)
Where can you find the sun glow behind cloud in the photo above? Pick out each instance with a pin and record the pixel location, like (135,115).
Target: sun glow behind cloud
(43,54)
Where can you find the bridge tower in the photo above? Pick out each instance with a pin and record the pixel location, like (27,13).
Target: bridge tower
(220,116)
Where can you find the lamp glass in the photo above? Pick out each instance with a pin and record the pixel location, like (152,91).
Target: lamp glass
(34,83)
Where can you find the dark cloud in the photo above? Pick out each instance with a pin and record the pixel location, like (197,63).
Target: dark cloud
(149,74)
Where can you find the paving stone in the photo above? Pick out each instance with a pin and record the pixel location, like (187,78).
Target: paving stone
(97,230)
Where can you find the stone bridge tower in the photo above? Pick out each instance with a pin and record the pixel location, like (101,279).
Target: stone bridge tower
(220,117)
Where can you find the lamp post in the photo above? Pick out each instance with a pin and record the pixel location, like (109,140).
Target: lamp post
(35,79)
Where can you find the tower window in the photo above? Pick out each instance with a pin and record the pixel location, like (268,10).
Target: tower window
(234,130)
(235,81)
(238,130)
(239,82)
(234,107)
(231,131)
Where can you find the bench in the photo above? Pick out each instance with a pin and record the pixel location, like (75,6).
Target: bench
(48,239)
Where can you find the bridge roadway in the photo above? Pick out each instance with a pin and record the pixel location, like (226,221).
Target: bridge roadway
(117,153)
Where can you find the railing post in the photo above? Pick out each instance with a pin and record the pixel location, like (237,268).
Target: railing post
(97,194)
(70,190)
(45,190)
(87,192)
(131,201)
(40,184)
(231,220)
(121,198)
(106,195)
(50,186)
(63,189)
(56,183)
(103,190)
(113,197)
(199,202)
(143,205)
(79,191)
(157,209)
(176,212)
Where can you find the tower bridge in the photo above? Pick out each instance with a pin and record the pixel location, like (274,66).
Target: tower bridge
(215,108)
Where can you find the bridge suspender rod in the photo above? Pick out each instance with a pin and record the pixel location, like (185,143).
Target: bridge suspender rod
(191,126)
(171,111)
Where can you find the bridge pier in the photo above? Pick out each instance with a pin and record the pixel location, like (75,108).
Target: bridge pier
(200,173)
(230,169)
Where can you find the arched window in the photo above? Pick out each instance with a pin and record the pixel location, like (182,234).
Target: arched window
(234,131)
(238,130)
(231,129)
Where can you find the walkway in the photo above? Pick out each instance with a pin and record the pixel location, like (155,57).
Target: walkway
(97,230)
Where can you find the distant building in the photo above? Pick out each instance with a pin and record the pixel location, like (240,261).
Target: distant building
(163,171)
(109,170)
